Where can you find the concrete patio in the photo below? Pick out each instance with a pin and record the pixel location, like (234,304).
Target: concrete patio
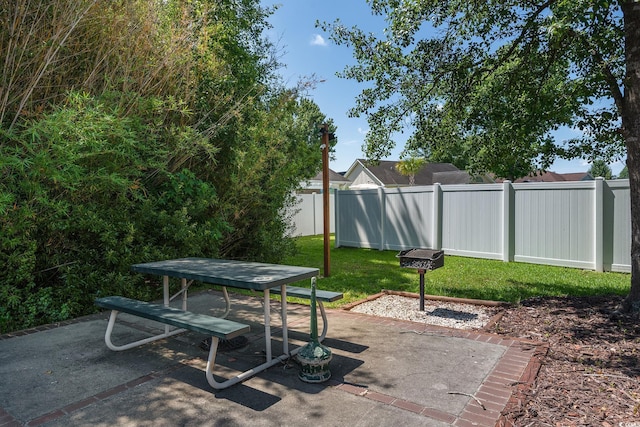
(384,372)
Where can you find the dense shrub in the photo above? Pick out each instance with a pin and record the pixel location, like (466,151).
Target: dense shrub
(85,193)
(139,131)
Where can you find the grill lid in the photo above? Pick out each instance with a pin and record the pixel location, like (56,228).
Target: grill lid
(421,258)
(420,254)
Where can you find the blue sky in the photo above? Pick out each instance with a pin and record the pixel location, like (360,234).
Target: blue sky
(307,50)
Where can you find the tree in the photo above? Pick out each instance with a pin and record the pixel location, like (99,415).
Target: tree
(624,173)
(600,168)
(492,81)
(278,150)
(139,130)
(410,167)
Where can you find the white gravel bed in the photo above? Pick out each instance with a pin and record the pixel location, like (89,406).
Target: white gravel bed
(441,313)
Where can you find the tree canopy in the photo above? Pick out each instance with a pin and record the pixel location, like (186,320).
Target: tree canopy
(600,168)
(485,84)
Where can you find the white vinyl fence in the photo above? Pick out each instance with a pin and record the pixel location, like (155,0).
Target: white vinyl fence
(307,218)
(583,224)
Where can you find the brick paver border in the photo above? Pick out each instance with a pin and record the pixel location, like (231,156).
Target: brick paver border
(514,373)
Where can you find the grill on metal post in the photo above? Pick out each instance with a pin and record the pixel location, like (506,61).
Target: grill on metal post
(422,260)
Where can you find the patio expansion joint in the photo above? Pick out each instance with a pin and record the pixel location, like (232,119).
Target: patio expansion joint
(85,402)
(403,404)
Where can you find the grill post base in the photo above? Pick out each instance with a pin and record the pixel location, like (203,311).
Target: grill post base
(422,260)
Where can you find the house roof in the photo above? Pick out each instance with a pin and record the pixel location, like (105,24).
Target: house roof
(451,177)
(336,180)
(333,177)
(556,177)
(385,171)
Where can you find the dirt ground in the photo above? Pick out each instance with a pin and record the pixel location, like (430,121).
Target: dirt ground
(590,375)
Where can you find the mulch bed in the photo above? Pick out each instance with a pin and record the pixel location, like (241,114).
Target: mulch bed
(590,375)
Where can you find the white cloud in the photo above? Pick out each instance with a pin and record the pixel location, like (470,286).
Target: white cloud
(363,131)
(318,40)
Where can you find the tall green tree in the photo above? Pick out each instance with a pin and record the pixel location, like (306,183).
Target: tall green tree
(624,173)
(410,167)
(276,151)
(491,82)
(600,168)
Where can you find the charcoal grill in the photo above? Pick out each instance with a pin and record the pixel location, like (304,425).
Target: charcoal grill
(422,260)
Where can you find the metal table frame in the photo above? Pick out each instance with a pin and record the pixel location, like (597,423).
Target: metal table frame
(236,274)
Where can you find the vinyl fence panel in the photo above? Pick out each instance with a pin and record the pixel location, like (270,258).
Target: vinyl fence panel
(573,224)
(555,223)
(359,218)
(308,215)
(408,218)
(617,227)
(472,220)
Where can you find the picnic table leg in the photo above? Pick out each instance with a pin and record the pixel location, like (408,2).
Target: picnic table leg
(238,378)
(211,363)
(167,298)
(184,286)
(112,346)
(184,291)
(227,301)
(283,311)
(267,324)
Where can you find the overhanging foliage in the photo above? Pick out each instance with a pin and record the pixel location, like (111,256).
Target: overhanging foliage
(139,131)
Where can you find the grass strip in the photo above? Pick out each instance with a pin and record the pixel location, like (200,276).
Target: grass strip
(359,273)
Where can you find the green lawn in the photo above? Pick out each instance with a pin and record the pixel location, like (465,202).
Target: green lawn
(362,272)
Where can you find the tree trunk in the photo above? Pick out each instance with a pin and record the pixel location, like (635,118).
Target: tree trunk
(631,133)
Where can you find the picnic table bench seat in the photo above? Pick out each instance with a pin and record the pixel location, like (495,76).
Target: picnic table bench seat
(183,320)
(305,293)
(201,323)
